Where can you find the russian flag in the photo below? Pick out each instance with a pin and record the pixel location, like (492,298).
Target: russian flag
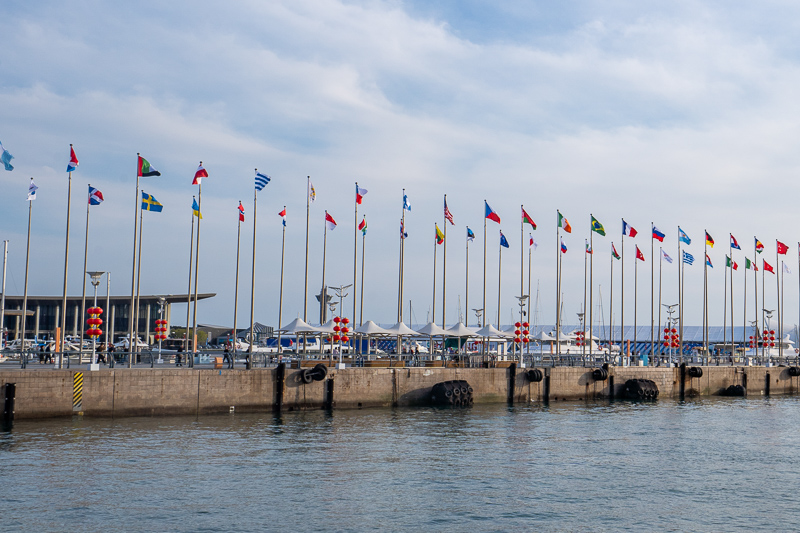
(73,160)
(658,234)
(490,214)
(563,247)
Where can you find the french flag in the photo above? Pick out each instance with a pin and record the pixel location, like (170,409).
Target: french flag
(73,160)
(199,175)
(658,234)
(490,214)
(628,230)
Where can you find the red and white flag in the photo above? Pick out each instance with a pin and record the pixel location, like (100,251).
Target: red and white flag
(200,174)
(639,254)
(360,194)
(782,248)
(241,212)
(329,221)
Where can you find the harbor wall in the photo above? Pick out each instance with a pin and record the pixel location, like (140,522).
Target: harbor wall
(158,392)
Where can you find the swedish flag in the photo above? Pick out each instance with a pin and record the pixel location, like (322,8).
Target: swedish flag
(149,203)
(597,226)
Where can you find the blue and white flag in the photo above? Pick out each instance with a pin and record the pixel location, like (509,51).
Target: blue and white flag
(32,191)
(683,237)
(470,235)
(95,196)
(688,258)
(665,257)
(6,158)
(503,240)
(406,203)
(261,180)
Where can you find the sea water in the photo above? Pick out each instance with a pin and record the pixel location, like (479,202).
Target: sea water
(699,465)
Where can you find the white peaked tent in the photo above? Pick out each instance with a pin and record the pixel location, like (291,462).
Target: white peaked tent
(327,327)
(460,330)
(298,325)
(401,330)
(491,332)
(368,329)
(431,329)
(542,336)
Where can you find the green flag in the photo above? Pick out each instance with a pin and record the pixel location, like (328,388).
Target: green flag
(597,226)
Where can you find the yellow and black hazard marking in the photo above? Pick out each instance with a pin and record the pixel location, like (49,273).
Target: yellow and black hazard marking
(77,391)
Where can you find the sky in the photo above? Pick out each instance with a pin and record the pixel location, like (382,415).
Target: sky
(672,113)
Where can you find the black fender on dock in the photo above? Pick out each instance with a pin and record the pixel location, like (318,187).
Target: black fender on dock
(641,389)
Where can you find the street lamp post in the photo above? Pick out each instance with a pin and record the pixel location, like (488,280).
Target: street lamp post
(671,321)
(161,301)
(95,275)
(522,299)
(768,312)
(478,313)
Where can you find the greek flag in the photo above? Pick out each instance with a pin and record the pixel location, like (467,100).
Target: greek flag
(688,258)
(261,180)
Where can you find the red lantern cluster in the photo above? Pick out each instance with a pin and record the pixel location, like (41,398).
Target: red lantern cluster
(94,321)
(769,335)
(580,338)
(521,332)
(341,331)
(161,330)
(671,338)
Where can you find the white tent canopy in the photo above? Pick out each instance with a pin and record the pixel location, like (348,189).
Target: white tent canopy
(298,325)
(542,336)
(401,329)
(460,330)
(371,328)
(492,332)
(327,327)
(431,329)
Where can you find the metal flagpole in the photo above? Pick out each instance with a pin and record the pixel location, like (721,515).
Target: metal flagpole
(660,264)
(433,312)
(280,298)
(355,257)
(134,341)
(585,277)
(680,297)
(730,246)
(499,285)
(705,293)
(308,211)
(622,296)
(778,294)
(402,264)
(361,310)
(591,294)
(66,265)
(558,285)
(444,271)
(466,276)
(652,283)
(780,320)
(3,297)
(744,309)
(236,289)
(635,294)
(197,266)
(529,281)
(189,288)
(249,363)
(132,311)
(683,275)
(24,357)
(85,257)
(522,253)
(763,321)
(109,325)
(484,267)
(611,306)
(323,292)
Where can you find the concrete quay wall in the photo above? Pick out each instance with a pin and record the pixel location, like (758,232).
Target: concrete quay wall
(158,392)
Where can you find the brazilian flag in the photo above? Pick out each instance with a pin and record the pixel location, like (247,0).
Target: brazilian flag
(597,226)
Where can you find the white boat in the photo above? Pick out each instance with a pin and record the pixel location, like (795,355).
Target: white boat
(124,344)
(774,352)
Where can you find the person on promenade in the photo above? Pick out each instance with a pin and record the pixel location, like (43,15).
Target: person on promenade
(226,356)
(41,354)
(178,355)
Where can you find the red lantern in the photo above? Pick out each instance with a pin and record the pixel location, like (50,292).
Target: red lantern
(772,332)
(345,330)
(666,330)
(526,332)
(525,341)
(336,319)
(346,320)
(674,330)
(525,325)
(666,345)
(517,339)
(517,325)
(772,344)
(336,329)
(345,339)
(517,332)
(336,338)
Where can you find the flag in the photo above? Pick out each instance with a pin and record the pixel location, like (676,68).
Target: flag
(196,208)
(95,196)
(665,257)
(403,232)
(563,247)
(628,230)
(730,263)
(533,243)
(439,234)
(504,241)
(710,240)
(406,203)
(262,180)
(363,226)
(312,194)
(683,237)
(750,264)
(241,212)
(614,253)
(199,174)
(490,214)
(563,223)
(282,214)
(32,188)
(588,248)
(360,193)
(768,268)
(786,268)
(688,258)
(708,261)
(6,158)
(639,254)
(447,214)
(526,218)
(145,170)
(734,244)
(470,235)
(759,246)
(149,203)
(73,160)
(658,234)
(597,227)
(782,248)
(329,221)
